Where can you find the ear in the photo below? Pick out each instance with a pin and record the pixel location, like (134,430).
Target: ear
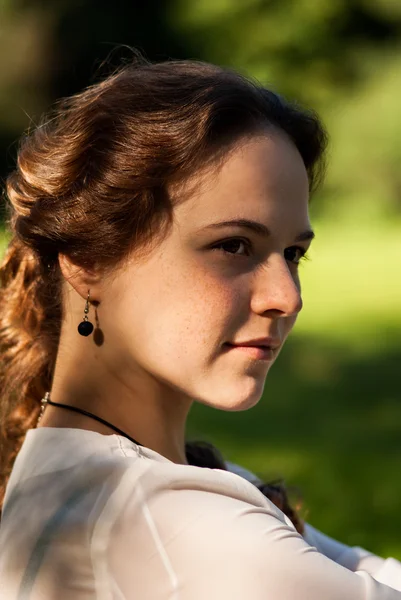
(80,279)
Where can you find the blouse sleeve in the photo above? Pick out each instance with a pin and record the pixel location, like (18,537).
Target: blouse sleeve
(194,543)
(354,558)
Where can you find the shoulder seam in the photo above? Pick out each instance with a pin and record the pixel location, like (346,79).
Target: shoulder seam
(121,447)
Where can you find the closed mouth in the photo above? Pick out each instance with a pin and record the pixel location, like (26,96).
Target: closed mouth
(273,345)
(263,352)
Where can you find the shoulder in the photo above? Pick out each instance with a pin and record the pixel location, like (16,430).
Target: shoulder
(163,485)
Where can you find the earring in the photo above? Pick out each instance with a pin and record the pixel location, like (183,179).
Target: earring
(85,327)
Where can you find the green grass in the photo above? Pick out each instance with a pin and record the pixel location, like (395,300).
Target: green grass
(329,421)
(352,287)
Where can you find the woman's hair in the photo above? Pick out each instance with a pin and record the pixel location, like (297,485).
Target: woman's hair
(92,181)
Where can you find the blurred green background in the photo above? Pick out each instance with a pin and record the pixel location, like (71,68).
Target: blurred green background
(330,418)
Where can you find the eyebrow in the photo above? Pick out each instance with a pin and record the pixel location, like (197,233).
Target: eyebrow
(258,228)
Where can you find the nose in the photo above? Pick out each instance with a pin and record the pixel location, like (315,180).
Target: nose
(277,289)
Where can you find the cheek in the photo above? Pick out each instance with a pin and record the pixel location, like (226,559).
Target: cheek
(203,306)
(182,312)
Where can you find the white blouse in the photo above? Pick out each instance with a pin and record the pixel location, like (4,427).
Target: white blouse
(92,516)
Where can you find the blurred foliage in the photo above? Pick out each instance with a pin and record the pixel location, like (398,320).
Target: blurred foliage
(330,417)
(343,58)
(309,50)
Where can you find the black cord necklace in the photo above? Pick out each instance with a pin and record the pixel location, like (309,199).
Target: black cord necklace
(46,400)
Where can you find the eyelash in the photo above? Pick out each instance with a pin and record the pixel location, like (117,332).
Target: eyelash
(248,247)
(303,255)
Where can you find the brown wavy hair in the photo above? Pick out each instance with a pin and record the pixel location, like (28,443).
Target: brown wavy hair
(91,181)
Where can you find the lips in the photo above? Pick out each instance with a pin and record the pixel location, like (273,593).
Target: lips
(257,349)
(272,343)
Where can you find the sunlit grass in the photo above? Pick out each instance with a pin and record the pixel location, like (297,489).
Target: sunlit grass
(352,285)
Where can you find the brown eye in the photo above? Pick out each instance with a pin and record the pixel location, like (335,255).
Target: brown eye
(234,246)
(294,254)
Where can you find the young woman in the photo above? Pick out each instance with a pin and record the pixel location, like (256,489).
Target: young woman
(158,221)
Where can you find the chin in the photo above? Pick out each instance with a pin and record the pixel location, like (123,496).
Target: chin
(235,398)
(239,404)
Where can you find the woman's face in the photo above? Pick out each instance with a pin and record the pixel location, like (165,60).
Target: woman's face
(208,309)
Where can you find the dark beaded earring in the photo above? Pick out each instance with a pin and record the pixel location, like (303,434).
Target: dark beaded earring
(85,327)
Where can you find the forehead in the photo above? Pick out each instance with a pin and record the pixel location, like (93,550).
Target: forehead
(262,178)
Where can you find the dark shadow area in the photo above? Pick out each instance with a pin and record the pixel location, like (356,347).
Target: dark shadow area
(86,41)
(86,34)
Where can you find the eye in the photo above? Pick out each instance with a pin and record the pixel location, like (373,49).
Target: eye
(294,254)
(237,246)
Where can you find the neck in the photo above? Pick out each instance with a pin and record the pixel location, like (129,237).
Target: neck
(152,414)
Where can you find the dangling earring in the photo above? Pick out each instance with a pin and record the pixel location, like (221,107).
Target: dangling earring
(85,327)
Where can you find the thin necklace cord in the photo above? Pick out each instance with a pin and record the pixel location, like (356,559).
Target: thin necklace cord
(46,400)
